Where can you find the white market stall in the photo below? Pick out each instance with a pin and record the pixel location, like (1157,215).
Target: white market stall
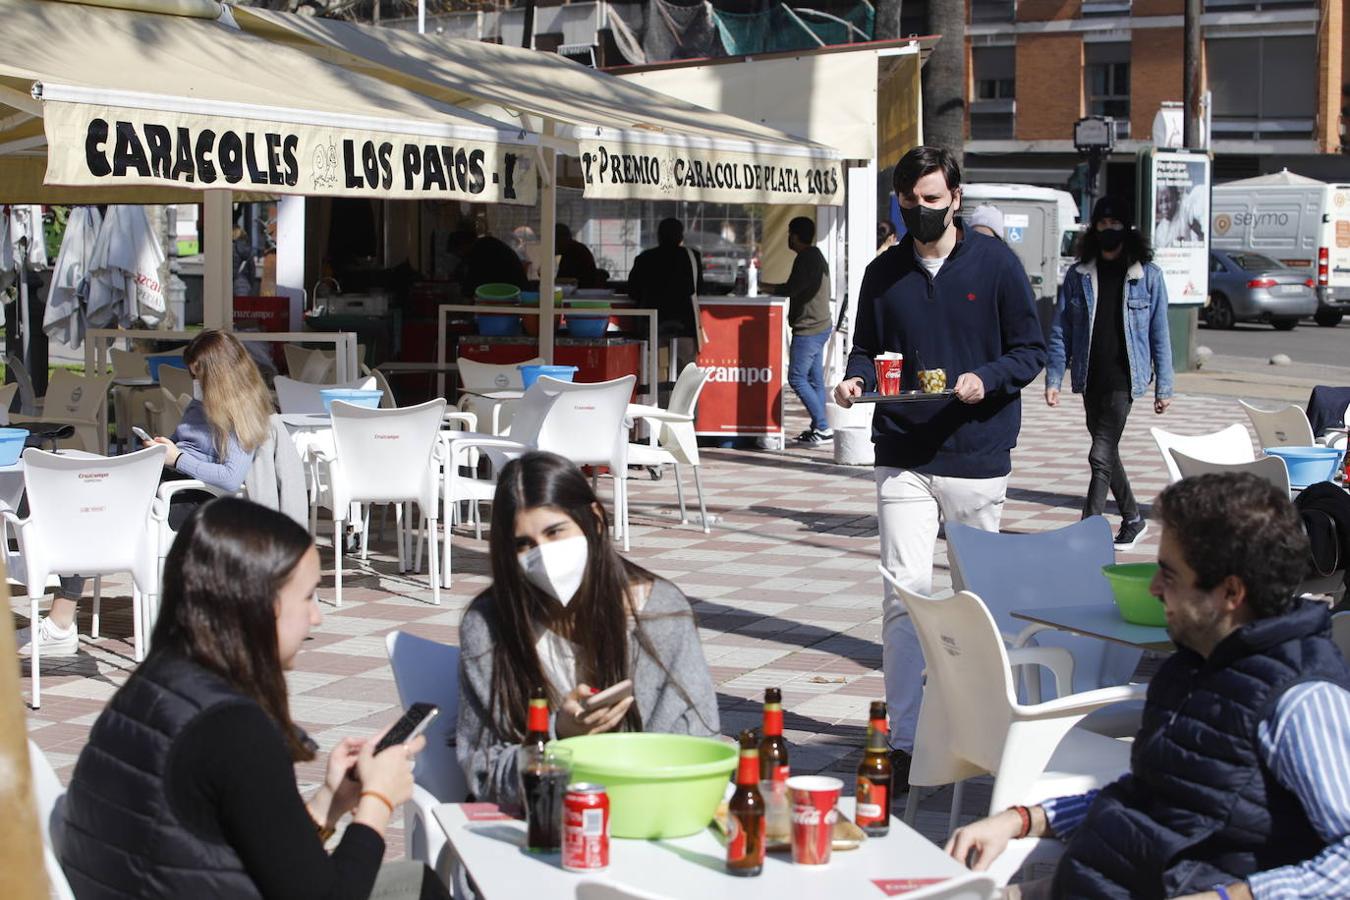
(171,102)
(630,142)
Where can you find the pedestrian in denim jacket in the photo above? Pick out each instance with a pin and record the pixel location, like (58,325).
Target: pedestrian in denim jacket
(1111,358)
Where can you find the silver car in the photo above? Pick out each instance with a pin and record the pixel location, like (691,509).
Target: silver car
(1249,287)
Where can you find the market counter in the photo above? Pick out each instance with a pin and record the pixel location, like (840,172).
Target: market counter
(746,353)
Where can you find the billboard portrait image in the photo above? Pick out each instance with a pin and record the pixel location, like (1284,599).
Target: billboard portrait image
(1180,204)
(1178,221)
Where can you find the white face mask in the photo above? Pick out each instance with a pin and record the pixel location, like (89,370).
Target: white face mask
(196,389)
(557,567)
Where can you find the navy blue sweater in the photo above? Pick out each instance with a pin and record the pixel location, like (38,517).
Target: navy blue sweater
(977,315)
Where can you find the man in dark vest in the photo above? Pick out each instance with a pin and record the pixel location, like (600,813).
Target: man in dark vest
(1239,781)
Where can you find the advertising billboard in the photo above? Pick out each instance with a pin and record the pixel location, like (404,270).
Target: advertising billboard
(1176,220)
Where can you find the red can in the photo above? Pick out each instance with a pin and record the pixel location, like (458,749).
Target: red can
(585,828)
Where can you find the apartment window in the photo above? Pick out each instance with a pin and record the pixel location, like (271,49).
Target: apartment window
(993,105)
(1106,82)
(1105,8)
(1256,5)
(991,10)
(1263,86)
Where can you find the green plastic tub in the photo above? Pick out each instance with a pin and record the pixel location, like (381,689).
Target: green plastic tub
(1129,583)
(660,785)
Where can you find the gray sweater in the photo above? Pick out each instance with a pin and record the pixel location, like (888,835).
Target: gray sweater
(488,756)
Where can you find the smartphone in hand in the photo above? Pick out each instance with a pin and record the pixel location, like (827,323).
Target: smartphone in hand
(140,433)
(615,693)
(413,723)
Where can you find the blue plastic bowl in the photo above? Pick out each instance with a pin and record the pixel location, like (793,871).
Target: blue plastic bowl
(1307,465)
(11,445)
(353,396)
(154,362)
(581,325)
(494,325)
(530,374)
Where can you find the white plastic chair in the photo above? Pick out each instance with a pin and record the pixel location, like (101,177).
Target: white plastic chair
(385,456)
(77,400)
(1230,445)
(296,358)
(30,404)
(675,443)
(306,398)
(321,367)
(50,795)
(1284,427)
(164,410)
(428,672)
(478,378)
(176,380)
(1013,571)
(387,400)
(582,422)
(129,401)
(971,723)
(1269,468)
(87,516)
(7,392)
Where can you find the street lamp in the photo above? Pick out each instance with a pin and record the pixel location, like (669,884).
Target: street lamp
(1094,136)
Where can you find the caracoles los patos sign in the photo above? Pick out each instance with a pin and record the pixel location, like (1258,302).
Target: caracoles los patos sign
(136,147)
(626,170)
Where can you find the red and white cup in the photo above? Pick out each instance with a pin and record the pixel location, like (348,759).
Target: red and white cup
(889,367)
(813,799)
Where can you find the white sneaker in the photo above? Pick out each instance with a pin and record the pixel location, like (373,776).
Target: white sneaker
(55,641)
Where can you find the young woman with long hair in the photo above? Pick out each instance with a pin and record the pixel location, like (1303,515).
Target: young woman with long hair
(567,613)
(221,430)
(187,787)
(214,443)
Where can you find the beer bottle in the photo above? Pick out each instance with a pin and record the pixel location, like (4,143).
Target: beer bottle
(536,721)
(873,813)
(745,814)
(773,748)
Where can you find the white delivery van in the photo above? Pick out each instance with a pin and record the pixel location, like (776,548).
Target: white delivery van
(1038,222)
(1302,222)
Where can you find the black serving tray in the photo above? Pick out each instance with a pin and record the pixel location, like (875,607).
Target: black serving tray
(905,397)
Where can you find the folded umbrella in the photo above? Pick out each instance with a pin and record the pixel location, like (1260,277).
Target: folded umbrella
(64,319)
(124,288)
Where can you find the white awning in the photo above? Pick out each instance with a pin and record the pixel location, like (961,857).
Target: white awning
(154,105)
(633,142)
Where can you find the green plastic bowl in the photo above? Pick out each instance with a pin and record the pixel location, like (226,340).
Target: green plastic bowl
(660,785)
(1129,583)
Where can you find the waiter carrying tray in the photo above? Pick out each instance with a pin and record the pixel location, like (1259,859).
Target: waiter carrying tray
(954,300)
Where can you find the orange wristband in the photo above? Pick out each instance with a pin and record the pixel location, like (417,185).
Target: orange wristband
(380,797)
(1025,815)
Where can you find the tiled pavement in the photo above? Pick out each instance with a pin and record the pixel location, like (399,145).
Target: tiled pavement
(784,589)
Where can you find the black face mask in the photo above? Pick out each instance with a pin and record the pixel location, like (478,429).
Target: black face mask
(1111,238)
(925,223)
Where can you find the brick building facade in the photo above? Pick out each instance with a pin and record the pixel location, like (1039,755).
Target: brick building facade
(1277,71)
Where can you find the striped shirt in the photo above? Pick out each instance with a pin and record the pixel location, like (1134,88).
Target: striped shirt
(1306,746)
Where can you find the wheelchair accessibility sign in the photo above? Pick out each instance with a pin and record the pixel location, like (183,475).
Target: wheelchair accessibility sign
(1015,235)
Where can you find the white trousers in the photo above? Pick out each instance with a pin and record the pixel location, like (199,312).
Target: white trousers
(908,508)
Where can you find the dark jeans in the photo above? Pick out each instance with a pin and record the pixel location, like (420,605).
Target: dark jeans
(806,374)
(1106,415)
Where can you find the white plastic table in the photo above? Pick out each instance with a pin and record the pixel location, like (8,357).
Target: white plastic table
(492,850)
(1099,621)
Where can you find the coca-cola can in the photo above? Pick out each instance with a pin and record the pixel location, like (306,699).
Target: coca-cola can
(585,828)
